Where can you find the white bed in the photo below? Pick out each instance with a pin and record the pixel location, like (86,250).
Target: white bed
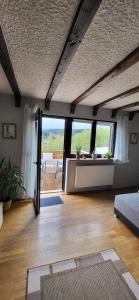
(126,207)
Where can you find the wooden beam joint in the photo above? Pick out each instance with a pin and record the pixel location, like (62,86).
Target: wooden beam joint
(114,113)
(95,110)
(131,115)
(18,101)
(72,108)
(47,104)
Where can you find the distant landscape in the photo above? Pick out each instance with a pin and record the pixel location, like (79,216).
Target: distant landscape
(53,139)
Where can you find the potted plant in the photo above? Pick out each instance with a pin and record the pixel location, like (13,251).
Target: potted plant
(11,181)
(108,155)
(78,151)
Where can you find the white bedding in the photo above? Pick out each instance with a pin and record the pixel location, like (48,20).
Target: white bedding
(128,205)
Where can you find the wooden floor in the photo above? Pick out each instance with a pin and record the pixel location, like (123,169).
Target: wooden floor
(50,182)
(84,224)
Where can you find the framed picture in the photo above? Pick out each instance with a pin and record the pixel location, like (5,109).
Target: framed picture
(8,131)
(133,138)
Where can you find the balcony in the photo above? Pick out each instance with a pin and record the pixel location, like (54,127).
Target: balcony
(51,171)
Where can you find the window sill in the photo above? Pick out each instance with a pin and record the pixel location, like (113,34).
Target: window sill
(120,162)
(92,160)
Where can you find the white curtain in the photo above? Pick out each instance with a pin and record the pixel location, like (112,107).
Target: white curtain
(121,146)
(29,151)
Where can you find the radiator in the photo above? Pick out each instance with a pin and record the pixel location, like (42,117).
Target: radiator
(93,176)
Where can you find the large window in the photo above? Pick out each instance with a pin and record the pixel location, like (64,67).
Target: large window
(93,136)
(104,138)
(81,136)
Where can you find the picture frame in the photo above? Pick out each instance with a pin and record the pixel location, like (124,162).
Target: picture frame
(133,138)
(8,131)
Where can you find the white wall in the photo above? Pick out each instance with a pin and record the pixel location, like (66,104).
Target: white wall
(10,114)
(125,174)
(128,174)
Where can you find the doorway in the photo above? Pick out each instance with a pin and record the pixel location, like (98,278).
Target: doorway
(52,154)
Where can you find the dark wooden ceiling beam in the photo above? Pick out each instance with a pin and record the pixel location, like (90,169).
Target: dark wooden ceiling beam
(118,96)
(132,114)
(124,107)
(114,113)
(83,17)
(95,111)
(122,66)
(8,69)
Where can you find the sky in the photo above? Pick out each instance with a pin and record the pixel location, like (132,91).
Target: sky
(53,123)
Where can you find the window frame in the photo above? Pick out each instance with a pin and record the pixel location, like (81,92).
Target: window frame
(93,134)
(81,121)
(111,139)
(68,133)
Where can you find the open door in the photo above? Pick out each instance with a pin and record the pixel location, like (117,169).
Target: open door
(53,142)
(38,133)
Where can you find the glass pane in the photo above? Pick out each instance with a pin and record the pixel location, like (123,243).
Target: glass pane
(81,134)
(103,139)
(52,153)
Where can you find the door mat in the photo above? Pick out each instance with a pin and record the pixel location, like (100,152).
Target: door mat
(49,201)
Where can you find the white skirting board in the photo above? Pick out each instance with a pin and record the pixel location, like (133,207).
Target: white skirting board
(1,214)
(93,176)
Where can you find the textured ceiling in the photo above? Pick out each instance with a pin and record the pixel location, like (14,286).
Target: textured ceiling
(119,84)
(113,34)
(4,84)
(35,33)
(121,102)
(133,108)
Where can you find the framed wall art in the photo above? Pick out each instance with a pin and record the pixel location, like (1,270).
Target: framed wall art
(8,131)
(133,138)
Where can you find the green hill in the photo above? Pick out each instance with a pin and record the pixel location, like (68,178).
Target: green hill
(53,140)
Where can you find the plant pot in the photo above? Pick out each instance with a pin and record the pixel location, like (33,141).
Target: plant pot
(78,155)
(7,205)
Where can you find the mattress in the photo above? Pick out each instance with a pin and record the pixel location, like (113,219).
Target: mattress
(128,206)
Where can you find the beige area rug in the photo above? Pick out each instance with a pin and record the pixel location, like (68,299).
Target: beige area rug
(93,277)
